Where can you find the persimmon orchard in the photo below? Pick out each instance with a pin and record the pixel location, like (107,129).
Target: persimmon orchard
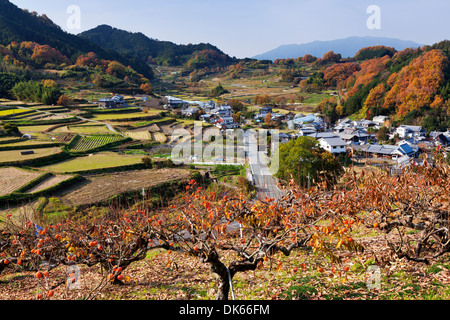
(232,234)
(414,205)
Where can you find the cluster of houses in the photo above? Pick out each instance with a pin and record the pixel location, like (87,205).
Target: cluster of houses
(348,136)
(209,112)
(277,117)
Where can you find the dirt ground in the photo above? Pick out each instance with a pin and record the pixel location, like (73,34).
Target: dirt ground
(100,187)
(12,178)
(52,181)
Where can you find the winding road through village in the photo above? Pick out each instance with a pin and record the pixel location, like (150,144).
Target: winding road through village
(264,181)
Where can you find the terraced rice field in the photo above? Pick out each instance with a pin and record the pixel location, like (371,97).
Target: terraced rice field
(159,133)
(63,137)
(9,112)
(30,129)
(101,187)
(15,155)
(154,128)
(118,116)
(159,137)
(96,161)
(26,143)
(167,130)
(139,135)
(92,142)
(12,179)
(50,182)
(84,129)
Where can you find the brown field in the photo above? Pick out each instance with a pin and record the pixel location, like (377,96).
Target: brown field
(167,129)
(139,135)
(159,133)
(12,179)
(159,137)
(50,182)
(100,187)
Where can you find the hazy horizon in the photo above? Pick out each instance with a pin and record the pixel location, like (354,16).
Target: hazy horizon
(248,27)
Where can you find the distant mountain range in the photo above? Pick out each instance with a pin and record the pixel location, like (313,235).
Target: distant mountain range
(347,47)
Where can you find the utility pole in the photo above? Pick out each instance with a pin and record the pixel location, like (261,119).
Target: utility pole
(143,199)
(309,181)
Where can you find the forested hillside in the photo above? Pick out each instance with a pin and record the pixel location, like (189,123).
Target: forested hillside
(412,85)
(19,25)
(155,51)
(24,61)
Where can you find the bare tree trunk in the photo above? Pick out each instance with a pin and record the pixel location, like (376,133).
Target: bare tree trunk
(223,287)
(224,274)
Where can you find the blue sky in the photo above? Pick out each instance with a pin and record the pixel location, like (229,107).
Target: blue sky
(244,28)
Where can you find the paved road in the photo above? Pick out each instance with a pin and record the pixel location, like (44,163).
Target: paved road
(266,185)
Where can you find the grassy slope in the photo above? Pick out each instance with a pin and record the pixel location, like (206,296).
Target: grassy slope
(15,155)
(97,161)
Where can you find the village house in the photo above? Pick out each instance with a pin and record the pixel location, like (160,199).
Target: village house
(353,135)
(174,103)
(381,121)
(412,142)
(278,117)
(263,112)
(442,140)
(318,135)
(342,124)
(226,122)
(284,137)
(289,116)
(312,119)
(406,131)
(106,103)
(366,124)
(335,145)
(306,130)
(115,102)
(208,118)
(190,111)
(221,111)
(209,106)
(385,151)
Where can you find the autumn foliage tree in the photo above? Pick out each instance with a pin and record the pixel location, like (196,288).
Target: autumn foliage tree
(233,235)
(307,58)
(226,232)
(331,56)
(64,100)
(369,69)
(413,204)
(147,88)
(262,99)
(328,108)
(113,241)
(415,85)
(372,52)
(337,74)
(268,119)
(43,54)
